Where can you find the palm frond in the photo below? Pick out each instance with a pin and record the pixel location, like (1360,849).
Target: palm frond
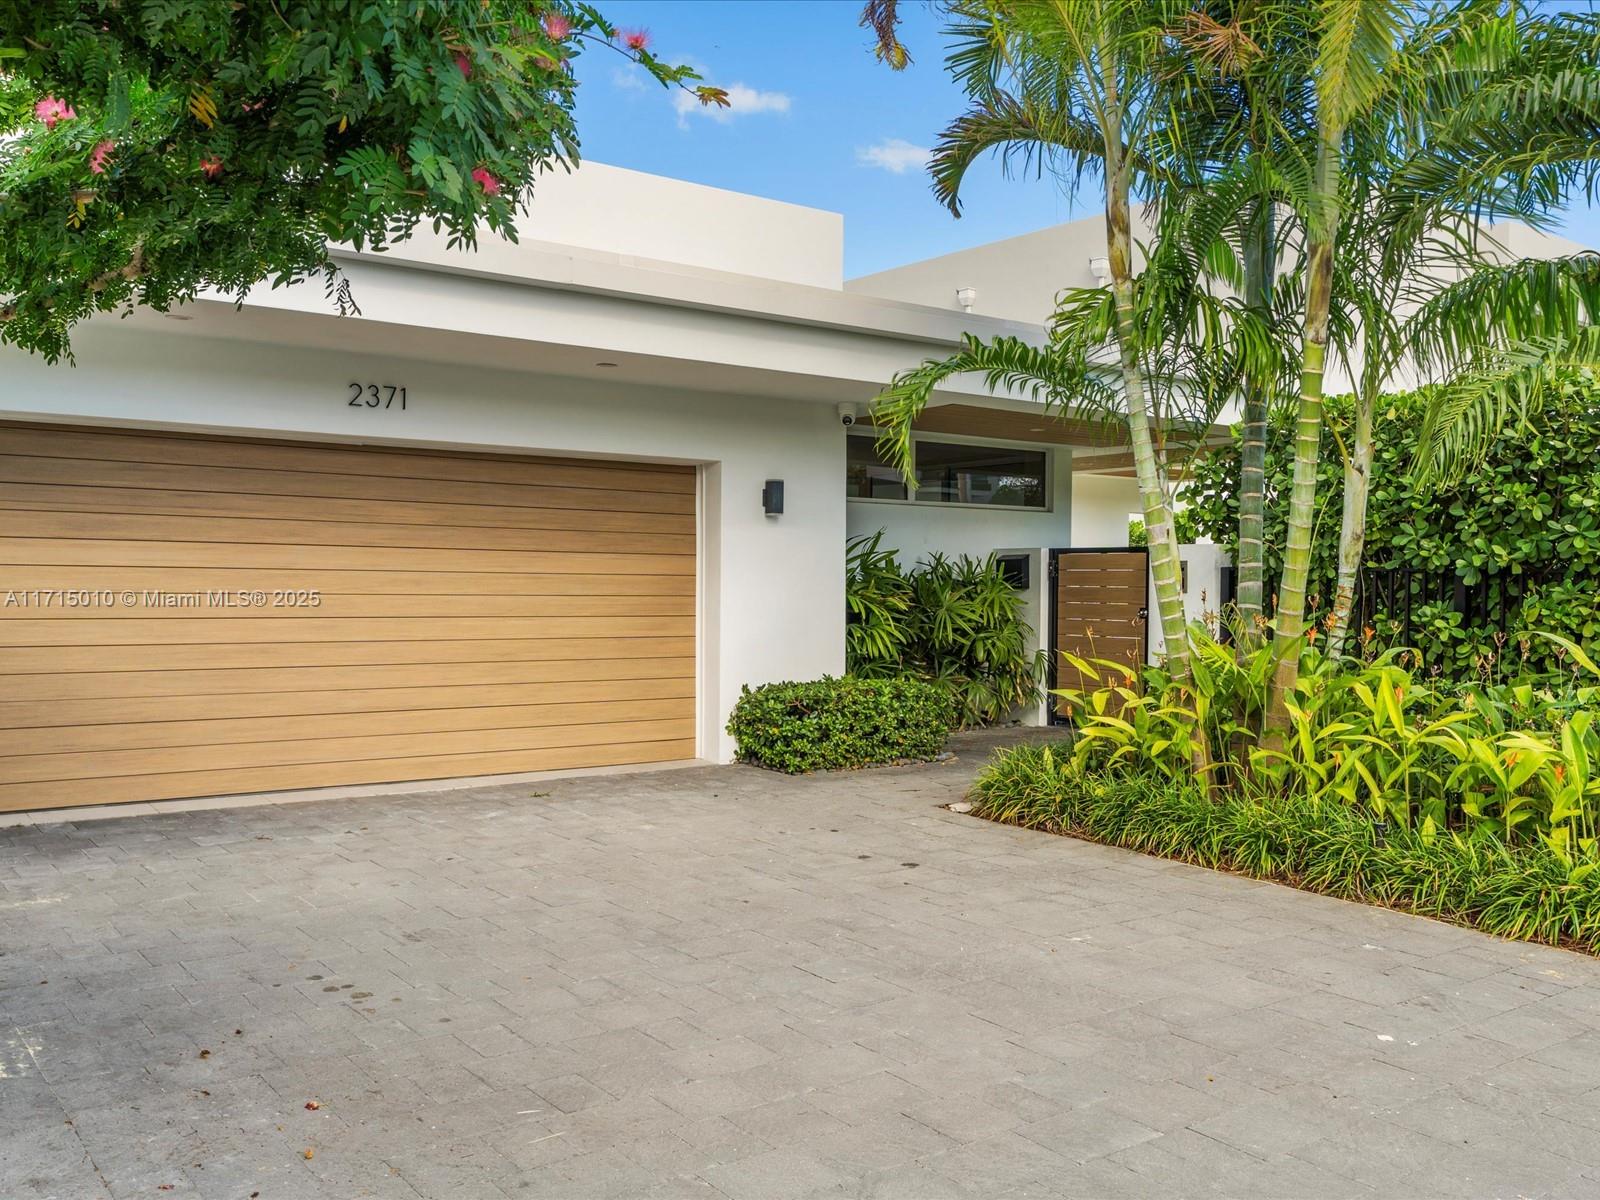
(1498,304)
(1064,382)
(1510,387)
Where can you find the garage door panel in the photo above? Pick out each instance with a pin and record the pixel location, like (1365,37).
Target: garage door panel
(310,486)
(102,578)
(92,552)
(115,710)
(473,614)
(154,631)
(32,768)
(59,498)
(359,607)
(316,727)
(30,659)
(14,797)
(144,527)
(355,462)
(568,677)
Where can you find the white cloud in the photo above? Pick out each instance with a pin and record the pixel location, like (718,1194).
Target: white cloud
(893,154)
(743,100)
(629,79)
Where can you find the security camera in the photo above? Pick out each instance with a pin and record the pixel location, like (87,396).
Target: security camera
(848,415)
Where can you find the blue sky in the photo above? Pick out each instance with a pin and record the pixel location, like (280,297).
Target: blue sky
(817,121)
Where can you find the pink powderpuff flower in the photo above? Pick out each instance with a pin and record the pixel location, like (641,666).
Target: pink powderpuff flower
(98,156)
(635,39)
(489,184)
(212,167)
(557,25)
(464,64)
(50,110)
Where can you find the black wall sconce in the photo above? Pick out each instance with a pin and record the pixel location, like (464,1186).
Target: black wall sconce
(772,497)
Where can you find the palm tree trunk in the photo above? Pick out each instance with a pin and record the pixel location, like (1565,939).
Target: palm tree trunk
(1352,523)
(1161,533)
(1291,612)
(1259,264)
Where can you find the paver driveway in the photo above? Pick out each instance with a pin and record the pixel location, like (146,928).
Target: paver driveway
(719,982)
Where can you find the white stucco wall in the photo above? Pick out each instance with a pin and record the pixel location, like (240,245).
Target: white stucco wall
(669,220)
(1101,505)
(771,605)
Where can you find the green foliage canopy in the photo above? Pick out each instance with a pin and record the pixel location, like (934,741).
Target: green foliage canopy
(150,149)
(1533,507)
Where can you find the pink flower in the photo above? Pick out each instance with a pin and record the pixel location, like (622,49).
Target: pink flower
(98,156)
(489,184)
(50,110)
(557,25)
(212,167)
(635,39)
(464,64)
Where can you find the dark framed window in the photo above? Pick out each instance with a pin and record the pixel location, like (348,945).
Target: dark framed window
(953,473)
(867,475)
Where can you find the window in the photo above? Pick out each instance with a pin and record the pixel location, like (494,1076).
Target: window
(867,476)
(949,473)
(957,474)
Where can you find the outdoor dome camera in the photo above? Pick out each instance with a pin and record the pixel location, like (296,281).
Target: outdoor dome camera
(848,415)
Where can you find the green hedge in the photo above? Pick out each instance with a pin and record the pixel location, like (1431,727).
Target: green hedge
(832,724)
(1534,506)
(1528,892)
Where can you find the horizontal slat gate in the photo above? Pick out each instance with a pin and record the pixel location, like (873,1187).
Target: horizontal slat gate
(1100,610)
(475,614)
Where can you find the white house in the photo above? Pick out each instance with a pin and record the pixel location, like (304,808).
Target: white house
(513,517)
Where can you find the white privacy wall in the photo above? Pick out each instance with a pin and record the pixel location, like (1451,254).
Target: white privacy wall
(772,587)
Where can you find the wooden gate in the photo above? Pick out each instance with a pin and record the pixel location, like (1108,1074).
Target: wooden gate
(1101,610)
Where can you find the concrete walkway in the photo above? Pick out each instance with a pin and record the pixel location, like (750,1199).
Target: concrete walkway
(723,983)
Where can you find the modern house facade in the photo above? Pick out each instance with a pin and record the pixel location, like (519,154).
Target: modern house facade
(512,517)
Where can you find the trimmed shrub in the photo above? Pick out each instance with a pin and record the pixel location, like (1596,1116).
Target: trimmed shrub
(833,724)
(1531,891)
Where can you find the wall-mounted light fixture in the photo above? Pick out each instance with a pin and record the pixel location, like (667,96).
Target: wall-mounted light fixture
(772,497)
(966,297)
(1100,268)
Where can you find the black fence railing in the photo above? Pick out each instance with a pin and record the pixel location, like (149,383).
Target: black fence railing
(1395,600)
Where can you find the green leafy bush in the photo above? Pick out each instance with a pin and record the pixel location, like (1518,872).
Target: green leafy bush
(1532,891)
(955,623)
(1533,507)
(834,724)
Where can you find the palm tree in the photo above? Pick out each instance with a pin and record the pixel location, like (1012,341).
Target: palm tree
(1078,85)
(1415,214)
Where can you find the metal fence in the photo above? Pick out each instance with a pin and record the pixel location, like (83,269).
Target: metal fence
(1395,599)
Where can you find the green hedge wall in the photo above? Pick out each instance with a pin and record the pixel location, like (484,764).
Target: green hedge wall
(1534,506)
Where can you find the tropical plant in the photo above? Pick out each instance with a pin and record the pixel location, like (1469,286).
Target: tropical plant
(152,149)
(955,624)
(1515,762)
(1529,889)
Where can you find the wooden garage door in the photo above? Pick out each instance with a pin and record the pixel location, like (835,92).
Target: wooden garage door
(185,616)
(1101,599)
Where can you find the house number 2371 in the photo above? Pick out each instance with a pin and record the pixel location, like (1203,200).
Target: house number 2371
(376,395)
